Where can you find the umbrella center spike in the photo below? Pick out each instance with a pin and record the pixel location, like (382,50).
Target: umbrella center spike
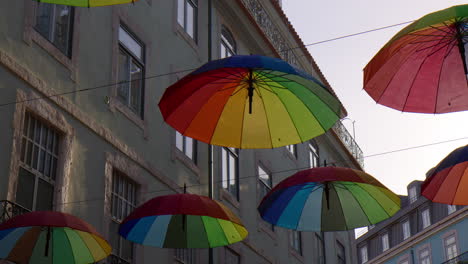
(327,194)
(461,27)
(46,253)
(250,89)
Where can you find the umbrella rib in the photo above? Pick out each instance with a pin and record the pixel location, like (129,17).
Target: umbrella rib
(412,83)
(438,83)
(266,119)
(342,209)
(231,72)
(360,205)
(71,246)
(290,117)
(302,210)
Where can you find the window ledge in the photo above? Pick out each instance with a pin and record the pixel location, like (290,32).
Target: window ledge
(225,195)
(179,155)
(115,103)
(180,31)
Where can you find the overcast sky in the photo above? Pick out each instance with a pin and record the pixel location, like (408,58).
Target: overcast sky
(378,128)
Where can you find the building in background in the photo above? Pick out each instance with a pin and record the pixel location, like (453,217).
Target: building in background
(82,133)
(422,232)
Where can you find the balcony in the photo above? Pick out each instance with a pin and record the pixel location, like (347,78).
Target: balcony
(460,259)
(349,142)
(10,209)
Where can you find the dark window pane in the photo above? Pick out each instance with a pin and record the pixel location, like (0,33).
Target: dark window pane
(136,75)
(124,76)
(25,189)
(45,194)
(43,19)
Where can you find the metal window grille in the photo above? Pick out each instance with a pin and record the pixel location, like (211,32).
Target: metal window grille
(124,198)
(38,164)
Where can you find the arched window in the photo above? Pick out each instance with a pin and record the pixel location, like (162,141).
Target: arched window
(228,44)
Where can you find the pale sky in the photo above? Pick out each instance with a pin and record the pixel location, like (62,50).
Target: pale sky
(378,128)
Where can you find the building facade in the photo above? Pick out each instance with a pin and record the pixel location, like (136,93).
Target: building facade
(422,232)
(82,132)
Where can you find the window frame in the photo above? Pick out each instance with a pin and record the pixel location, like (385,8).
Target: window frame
(426,217)
(404,223)
(363,254)
(228,42)
(184,148)
(292,149)
(451,208)
(295,241)
(226,154)
(181,254)
(194,5)
(445,237)
(30,36)
(314,156)
(385,237)
(140,62)
(422,249)
(412,194)
(320,248)
(38,123)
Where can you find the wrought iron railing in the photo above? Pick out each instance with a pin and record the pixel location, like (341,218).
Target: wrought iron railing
(460,259)
(349,142)
(10,209)
(113,259)
(271,30)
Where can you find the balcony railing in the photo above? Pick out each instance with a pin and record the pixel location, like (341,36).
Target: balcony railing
(10,209)
(460,259)
(349,142)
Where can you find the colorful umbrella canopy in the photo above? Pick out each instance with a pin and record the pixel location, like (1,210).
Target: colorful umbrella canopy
(448,181)
(183,221)
(86,3)
(51,237)
(328,199)
(249,102)
(423,68)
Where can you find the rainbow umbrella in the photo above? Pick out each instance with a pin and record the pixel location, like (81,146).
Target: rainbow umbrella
(86,3)
(183,221)
(448,181)
(328,199)
(423,68)
(51,237)
(249,102)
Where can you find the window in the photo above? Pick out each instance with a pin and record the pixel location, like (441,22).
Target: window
(313,156)
(187,145)
(292,149)
(185,255)
(426,218)
(230,167)
(413,195)
(406,229)
(38,164)
(231,257)
(228,45)
(385,242)
(363,254)
(265,185)
(450,246)
(425,256)
(295,241)
(55,23)
(187,16)
(123,200)
(131,71)
(340,253)
(405,259)
(320,249)
(451,208)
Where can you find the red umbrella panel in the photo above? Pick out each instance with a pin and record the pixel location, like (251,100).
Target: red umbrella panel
(448,182)
(423,69)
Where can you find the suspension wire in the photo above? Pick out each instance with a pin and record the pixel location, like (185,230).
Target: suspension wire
(282,171)
(187,70)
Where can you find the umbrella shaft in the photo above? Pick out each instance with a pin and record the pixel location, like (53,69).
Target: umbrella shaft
(250,90)
(47,242)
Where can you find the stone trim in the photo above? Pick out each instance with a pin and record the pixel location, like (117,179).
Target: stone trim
(65,104)
(30,35)
(47,112)
(133,172)
(405,257)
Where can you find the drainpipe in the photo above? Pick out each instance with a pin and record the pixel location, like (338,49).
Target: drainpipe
(210,147)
